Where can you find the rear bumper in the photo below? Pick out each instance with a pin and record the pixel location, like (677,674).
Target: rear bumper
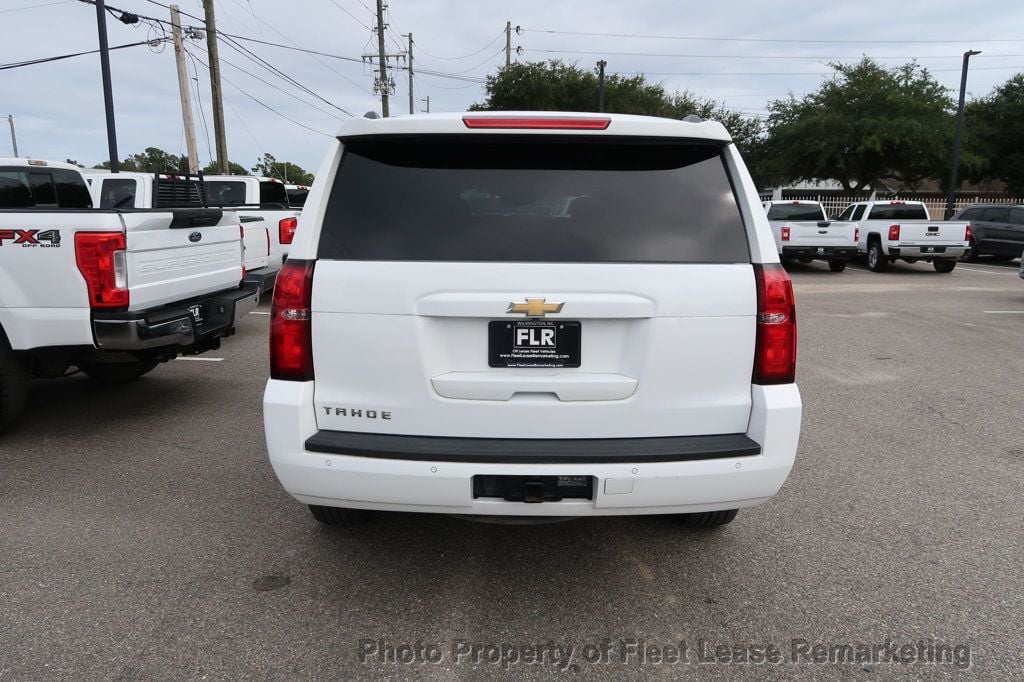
(632,476)
(174,325)
(938,251)
(841,252)
(263,279)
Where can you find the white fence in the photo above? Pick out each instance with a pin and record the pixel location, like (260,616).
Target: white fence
(834,203)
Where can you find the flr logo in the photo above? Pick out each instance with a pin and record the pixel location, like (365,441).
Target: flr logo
(31,237)
(530,337)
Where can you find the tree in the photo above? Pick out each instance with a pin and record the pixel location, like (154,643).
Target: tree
(867,124)
(233,169)
(152,160)
(994,136)
(270,167)
(557,86)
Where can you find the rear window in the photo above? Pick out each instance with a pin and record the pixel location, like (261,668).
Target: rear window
(274,194)
(117,193)
(533,198)
(297,197)
(898,212)
(796,212)
(225,192)
(45,188)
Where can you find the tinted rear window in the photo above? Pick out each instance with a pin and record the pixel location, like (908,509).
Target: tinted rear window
(542,199)
(795,212)
(898,212)
(297,197)
(225,192)
(273,193)
(45,187)
(117,193)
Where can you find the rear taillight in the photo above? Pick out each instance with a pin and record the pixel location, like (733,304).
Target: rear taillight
(775,351)
(537,122)
(291,340)
(856,234)
(785,234)
(967,233)
(894,233)
(241,237)
(266,233)
(101,260)
(286,229)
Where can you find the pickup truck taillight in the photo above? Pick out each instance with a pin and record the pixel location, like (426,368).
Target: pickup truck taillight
(286,229)
(967,233)
(101,260)
(894,233)
(856,234)
(785,234)
(775,350)
(291,341)
(241,236)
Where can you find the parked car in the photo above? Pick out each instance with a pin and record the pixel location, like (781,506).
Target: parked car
(112,292)
(259,196)
(262,226)
(446,337)
(803,232)
(902,230)
(996,230)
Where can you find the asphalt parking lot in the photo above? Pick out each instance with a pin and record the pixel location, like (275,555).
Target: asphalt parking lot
(144,534)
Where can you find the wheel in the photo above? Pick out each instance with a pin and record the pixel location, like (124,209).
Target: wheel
(338,516)
(944,265)
(14,378)
(836,264)
(877,261)
(116,372)
(709,519)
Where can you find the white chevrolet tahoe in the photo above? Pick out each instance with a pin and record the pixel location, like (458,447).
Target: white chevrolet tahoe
(112,292)
(532,315)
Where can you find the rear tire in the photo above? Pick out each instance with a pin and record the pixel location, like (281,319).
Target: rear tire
(972,251)
(836,264)
(14,378)
(709,519)
(339,516)
(877,260)
(116,372)
(944,265)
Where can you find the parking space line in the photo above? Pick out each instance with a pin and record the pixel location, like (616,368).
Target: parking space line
(197,359)
(259,312)
(1004,312)
(1012,273)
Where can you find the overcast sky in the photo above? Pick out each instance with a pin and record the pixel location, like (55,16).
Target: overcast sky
(58,107)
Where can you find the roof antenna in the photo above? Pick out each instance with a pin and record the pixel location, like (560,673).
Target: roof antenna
(693,118)
(371,114)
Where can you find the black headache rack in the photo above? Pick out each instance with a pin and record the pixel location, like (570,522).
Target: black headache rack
(179,190)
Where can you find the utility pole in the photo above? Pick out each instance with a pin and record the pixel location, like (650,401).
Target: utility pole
(508,44)
(186,100)
(108,93)
(215,91)
(384,87)
(951,197)
(427,100)
(14,138)
(409,59)
(600,87)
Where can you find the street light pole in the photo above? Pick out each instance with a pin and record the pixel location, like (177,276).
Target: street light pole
(108,94)
(600,84)
(951,197)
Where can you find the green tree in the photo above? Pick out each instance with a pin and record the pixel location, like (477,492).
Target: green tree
(867,124)
(557,86)
(152,160)
(994,136)
(233,169)
(270,167)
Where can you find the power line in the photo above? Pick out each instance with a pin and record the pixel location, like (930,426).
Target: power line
(773,40)
(265,105)
(465,56)
(751,56)
(354,17)
(45,4)
(799,73)
(44,60)
(199,102)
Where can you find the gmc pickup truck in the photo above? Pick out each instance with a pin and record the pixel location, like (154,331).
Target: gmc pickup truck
(168,190)
(803,232)
(113,292)
(902,230)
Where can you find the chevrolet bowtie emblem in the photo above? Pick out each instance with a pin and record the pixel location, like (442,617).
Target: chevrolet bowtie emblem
(535,307)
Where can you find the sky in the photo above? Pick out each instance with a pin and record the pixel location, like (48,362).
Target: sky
(742,53)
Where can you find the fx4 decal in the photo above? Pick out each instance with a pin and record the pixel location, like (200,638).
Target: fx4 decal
(41,238)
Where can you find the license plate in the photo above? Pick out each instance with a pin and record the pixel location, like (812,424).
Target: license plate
(198,313)
(927,249)
(821,250)
(534,343)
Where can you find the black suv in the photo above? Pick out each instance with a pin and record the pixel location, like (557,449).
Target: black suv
(996,230)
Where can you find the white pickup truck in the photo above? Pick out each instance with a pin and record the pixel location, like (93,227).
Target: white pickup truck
(259,196)
(112,292)
(262,227)
(803,232)
(902,230)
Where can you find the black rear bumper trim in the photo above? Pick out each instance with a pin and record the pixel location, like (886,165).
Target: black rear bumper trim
(531,450)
